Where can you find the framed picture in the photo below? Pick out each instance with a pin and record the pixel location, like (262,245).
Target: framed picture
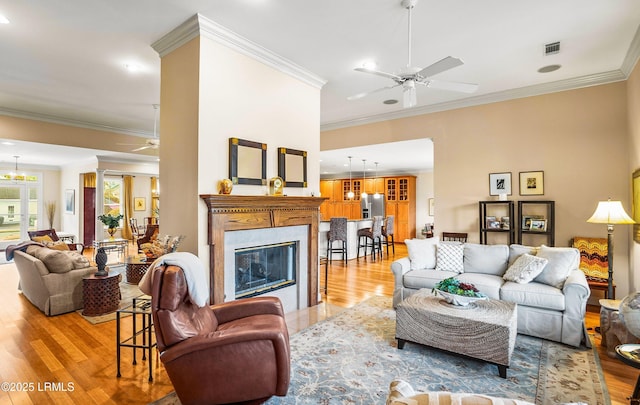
(491,222)
(538,225)
(526,221)
(500,183)
(139,204)
(635,209)
(292,167)
(532,183)
(505,222)
(247,162)
(432,209)
(69,201)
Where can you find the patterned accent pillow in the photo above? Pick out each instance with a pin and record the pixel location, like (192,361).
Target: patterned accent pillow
(525,268)
(450,257)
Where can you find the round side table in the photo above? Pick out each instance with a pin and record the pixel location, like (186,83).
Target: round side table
(630,354)
(136,267)
(101,295)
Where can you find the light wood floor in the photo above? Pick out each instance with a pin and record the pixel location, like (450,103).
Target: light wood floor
(38,350)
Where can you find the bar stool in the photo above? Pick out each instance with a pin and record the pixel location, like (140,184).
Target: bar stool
(387,232)
(337,232)
(371,237)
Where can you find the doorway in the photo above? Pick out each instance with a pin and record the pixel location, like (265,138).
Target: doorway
(20,208)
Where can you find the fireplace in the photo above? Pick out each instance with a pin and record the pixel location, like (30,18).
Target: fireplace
(263,269)
(236,222)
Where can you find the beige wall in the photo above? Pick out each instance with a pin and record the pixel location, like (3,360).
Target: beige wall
(633,108)
(579,139)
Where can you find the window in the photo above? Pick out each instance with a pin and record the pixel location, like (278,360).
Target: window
(112,196)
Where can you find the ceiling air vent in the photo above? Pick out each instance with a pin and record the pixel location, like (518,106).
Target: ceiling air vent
(552,48)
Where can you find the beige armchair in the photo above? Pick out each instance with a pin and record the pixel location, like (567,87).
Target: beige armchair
(52,279)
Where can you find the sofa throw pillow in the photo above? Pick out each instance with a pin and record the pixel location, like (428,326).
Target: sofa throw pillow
(525,269)
(57,245)
(56,261)
(422,253)
(78,260)
(42,239)
(450,257)
(485,259)
(561,261)
(516,251)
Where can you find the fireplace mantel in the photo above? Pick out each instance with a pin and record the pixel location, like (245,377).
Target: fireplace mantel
(244,212)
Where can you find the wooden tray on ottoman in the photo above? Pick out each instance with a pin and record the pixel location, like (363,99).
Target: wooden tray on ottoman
(484,330)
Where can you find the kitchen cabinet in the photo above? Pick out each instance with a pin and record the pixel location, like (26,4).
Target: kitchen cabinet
(399,200)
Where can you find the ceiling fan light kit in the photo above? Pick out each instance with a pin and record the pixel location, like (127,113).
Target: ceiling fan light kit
(410,76)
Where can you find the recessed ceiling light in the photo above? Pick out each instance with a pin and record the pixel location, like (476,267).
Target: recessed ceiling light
(3,19)
(369,64)
(132,67)
(390,101)
(549,68)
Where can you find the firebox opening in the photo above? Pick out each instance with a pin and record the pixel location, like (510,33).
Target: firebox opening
(261,269)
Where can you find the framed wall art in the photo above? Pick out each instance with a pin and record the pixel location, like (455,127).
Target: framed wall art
(532,183)
(500,183)
(247,162)
(69,201)
(635,209)
(139,204)
(292,167)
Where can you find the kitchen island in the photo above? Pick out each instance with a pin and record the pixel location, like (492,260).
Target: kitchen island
(353,225)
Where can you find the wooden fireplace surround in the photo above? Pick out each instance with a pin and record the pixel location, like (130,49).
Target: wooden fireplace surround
(243,212)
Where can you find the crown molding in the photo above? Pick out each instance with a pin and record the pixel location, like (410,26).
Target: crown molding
(72,123)
(632,56)
(522,92)
(200,25)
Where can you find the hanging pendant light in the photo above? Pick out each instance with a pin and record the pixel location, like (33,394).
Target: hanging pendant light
(350,193)
(376,195)
(364,174)
(14,175)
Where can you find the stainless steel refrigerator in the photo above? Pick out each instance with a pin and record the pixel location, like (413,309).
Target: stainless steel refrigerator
(372,206)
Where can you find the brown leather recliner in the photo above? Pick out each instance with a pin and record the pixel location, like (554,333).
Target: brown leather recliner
(235,352)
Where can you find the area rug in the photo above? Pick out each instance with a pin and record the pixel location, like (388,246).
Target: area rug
(127,293)
(353,356)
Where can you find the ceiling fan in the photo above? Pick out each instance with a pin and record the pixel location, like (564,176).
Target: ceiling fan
(151,143)
(409,77)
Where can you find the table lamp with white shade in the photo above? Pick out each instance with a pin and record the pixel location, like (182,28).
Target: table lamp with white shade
(610,213)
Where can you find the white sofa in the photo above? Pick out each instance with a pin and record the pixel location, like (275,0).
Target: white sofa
(551,306)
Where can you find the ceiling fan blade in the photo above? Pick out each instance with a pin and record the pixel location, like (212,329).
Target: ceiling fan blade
(452,86)
(379,73)
(361,95)
(141,148)
(440,66)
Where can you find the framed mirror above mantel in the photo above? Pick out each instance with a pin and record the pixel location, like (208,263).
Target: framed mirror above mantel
(292,167)
(247,162)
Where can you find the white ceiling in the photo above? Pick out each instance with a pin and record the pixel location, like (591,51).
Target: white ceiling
(63,60)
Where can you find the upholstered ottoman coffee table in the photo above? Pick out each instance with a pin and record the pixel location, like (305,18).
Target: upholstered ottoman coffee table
(484,330)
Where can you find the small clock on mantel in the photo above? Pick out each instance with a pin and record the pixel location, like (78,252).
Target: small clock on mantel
(276,186)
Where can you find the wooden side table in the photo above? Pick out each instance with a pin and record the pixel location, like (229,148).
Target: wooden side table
(136,267)
(101,295)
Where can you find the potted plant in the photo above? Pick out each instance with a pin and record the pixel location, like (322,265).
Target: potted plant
(111,222)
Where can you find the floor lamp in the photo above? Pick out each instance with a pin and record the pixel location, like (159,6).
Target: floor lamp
(610,213)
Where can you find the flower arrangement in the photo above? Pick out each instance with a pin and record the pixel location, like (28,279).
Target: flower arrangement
(110,221)
(452,285)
